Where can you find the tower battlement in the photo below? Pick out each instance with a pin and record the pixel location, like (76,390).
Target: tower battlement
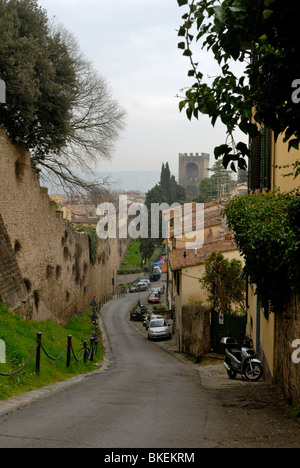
(194,156)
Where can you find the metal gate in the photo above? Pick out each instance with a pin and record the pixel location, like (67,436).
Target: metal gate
(226,325)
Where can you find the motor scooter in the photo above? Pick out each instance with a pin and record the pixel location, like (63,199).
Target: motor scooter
(139,315)
(241,360)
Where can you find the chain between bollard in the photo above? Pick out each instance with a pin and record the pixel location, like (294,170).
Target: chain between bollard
(88,353)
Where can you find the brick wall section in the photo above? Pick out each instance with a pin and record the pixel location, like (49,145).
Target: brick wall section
(12,288)
(53,259)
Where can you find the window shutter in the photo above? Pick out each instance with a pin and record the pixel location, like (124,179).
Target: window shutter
(255,163)
(266,159)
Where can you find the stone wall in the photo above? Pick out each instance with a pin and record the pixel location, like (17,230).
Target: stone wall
(53,259)
(12,287)
(195,329)
(287,330)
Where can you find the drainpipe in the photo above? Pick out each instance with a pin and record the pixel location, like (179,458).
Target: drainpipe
(257,328)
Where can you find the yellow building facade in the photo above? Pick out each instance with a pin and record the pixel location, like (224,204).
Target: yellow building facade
(270,163)
(186,269)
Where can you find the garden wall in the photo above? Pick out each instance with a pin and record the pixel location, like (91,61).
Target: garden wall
(195,329)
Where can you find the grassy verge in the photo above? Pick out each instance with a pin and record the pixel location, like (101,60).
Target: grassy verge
(20,340)
(133,258)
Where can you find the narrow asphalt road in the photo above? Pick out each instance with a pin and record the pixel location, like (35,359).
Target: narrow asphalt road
(145,397)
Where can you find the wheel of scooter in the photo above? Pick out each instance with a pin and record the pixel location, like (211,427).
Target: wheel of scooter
(231,374)
(253,371)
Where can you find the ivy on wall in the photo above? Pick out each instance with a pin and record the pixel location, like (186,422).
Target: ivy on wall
(267,232)
(93,241)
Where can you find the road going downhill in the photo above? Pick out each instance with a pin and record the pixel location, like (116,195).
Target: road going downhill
(144,398)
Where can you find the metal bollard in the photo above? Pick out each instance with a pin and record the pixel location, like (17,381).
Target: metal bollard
(38,353)
(69,350)
(92,348)
(85,351)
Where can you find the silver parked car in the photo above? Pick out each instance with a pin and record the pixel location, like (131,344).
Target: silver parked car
(150,316)
(158,329)
(138,287)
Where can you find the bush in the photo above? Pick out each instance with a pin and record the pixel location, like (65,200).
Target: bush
(267,232)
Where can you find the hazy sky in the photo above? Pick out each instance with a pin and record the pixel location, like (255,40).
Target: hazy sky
(133,45)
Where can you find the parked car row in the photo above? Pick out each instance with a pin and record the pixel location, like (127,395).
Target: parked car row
(143,284)
(155,324)
(156,273)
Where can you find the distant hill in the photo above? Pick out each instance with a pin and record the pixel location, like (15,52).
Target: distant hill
(127,181)
(133,180)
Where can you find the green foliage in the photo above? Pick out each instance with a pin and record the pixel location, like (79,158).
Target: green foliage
(171,191)
(263,36)
(223,283)
(267,232)
(57,104)
(212,187)
(158,308)
(20,339)
(133,259)
(39,75)
(296,411)
(147,248)
(167,191)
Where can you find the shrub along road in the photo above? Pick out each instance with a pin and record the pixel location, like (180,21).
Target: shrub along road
(146,397)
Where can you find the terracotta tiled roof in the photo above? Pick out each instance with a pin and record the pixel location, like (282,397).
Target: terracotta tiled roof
(183,258)
(212,219)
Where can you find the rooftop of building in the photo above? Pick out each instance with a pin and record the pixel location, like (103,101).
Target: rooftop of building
(183,258)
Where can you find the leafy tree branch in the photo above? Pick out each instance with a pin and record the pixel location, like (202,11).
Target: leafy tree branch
(261,35)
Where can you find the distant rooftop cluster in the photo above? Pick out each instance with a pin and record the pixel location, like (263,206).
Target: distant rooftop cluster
(81,209)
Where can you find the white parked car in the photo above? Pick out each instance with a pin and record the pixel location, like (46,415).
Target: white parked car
(144,282)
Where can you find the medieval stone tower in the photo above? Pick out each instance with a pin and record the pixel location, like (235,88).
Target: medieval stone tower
(192,169)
